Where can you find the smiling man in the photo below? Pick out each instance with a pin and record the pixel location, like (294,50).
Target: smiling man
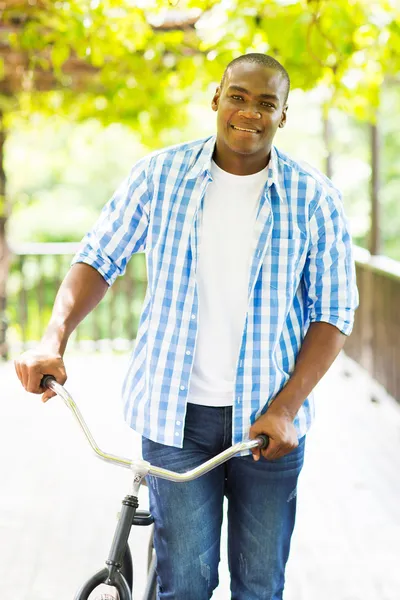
(251,294)
(251,105)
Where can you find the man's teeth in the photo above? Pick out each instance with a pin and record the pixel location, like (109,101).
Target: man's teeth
(241,129)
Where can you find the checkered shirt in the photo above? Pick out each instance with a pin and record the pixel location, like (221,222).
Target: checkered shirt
(301,271)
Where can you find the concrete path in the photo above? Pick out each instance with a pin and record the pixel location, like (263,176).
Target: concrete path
(58,503)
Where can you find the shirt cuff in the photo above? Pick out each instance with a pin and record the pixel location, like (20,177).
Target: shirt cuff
(106,269)
(345,325)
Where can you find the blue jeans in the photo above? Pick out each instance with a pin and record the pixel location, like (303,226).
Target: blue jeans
(188,516)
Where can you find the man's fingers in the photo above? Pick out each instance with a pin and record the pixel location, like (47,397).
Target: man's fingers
(275,451)
(18,370)
(34,379)
(256,453)
(62,377)
(29,375)
(47,395)
(272,452)
(24,374)
(33,365)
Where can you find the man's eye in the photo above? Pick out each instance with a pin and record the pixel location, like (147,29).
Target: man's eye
(237,97)
(267,104)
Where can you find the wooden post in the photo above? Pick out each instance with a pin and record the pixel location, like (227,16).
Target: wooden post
(4,252)
(375,234)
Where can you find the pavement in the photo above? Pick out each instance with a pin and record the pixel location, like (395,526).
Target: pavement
(58,503)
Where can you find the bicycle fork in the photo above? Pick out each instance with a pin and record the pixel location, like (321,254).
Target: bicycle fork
(111,575)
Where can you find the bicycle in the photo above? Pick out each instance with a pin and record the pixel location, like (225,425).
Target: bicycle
(117,575)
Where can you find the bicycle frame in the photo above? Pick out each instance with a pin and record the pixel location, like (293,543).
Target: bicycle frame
(111,575)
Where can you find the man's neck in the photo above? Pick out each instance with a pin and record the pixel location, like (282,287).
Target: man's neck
(240,164)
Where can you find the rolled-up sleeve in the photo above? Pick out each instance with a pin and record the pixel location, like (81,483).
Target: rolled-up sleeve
(121,229)
(329,273)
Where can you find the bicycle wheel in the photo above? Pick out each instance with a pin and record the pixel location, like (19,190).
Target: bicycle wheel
(104,592)
(95,588)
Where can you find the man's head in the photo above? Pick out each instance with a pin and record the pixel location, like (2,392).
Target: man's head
(251,102)
(264,60)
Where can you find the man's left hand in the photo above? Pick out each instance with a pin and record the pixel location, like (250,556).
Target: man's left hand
(282,434)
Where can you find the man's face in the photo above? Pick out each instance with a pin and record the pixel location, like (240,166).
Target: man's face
(251,106)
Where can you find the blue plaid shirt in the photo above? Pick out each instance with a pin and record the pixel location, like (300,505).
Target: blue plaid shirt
(302,271)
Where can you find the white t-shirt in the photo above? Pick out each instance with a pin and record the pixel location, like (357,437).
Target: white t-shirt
(226,238)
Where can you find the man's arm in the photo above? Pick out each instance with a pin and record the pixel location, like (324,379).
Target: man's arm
(320,347)
(120,231)
(80,292)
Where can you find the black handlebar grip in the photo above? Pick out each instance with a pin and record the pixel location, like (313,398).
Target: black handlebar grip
(264,441)
(46,380)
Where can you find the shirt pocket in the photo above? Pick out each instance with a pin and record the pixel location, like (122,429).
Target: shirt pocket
(283,247)
(286,263)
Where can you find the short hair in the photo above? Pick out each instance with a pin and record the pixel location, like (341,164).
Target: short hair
(260,59)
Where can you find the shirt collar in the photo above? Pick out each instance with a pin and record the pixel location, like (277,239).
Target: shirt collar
(202,161)
(202,164)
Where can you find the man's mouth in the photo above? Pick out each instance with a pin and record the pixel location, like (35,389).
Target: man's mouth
(245,129)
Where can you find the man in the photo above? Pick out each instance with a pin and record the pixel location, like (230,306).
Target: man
(251,293)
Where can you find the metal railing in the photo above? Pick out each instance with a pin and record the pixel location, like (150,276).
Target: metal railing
(35,276)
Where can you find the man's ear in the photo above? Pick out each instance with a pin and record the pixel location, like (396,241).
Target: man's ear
(283,118)
(215,100)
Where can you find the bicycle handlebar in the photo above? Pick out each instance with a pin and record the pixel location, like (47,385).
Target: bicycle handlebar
(141,467)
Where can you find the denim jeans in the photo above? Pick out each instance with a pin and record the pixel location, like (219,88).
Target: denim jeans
(188,516)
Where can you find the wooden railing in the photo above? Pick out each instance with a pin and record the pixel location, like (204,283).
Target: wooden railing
(38,269)
(375,341)
(36,273)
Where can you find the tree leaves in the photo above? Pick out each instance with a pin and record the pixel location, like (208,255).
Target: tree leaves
(149,58)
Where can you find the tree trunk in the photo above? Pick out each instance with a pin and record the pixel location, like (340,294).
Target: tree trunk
(327,135)
(375,235)
(4,252)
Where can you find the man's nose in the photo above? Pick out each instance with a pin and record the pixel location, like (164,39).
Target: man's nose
(250,112)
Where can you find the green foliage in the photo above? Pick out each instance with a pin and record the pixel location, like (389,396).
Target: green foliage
(145,77)
(66,178)
(3,205)
(159,81)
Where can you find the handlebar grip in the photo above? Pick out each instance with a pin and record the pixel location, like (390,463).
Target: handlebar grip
(46,379)
(263,441)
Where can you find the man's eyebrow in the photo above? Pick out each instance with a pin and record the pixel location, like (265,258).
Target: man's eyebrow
(237,88)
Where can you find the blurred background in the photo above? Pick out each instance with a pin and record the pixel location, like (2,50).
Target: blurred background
(87,87)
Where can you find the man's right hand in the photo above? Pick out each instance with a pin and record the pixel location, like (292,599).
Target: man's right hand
(31,366)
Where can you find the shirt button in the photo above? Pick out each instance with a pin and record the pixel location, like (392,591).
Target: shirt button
(178,423)
(177,433)
(193,316)
(182,387)
(188,353)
